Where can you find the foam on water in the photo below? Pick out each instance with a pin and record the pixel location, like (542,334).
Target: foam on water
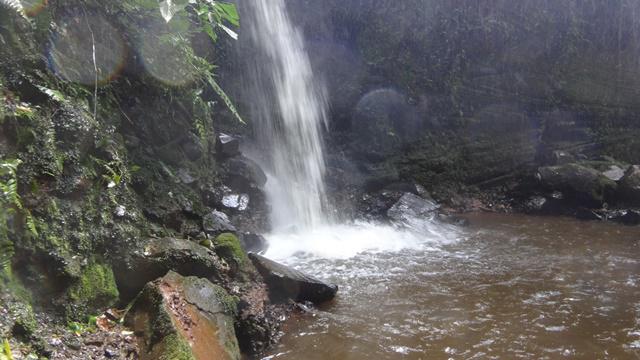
(349,240)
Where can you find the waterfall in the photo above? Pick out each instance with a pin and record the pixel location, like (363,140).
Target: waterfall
(289,111)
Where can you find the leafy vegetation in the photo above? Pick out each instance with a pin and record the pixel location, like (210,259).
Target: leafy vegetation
(10,205)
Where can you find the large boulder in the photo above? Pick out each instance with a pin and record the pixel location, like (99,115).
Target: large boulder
(582,184)
(244,174)
(155,257)
(411,206)
(184,318)
(629,191)
(286,283)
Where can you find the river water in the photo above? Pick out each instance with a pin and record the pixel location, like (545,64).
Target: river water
(506,287)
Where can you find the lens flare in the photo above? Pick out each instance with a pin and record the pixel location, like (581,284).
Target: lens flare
(33,7)
(163,56)
(71,50)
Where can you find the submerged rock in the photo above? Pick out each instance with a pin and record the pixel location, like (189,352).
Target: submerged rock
(158,256)
(286,283)
(184,318)
(411,206)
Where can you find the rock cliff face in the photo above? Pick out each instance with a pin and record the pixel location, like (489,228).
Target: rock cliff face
(115,184)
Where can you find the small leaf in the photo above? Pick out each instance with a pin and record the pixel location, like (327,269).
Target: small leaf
(229,32)
(168,8)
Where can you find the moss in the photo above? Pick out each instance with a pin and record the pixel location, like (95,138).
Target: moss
(173,347)
(228,247)
(95,289)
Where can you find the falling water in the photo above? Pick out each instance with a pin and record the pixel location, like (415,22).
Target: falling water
(289,107)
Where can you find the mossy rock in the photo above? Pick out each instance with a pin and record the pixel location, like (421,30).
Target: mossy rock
(184,318)
(228,247)
(95,289)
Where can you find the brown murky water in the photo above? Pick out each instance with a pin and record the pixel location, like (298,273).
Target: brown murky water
(513,287)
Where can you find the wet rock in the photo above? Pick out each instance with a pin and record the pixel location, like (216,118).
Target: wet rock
(217,222)
(535,204)
(180,317)
(588,214)
(629,191)
(244,174)
(584,185)
(286,283)
(627,217)
(156,257)
(560,157)
(614,173)
(228,247)
(192,147)
(412,206)
(253,242)
(227,146)
(238,202)
(185,176)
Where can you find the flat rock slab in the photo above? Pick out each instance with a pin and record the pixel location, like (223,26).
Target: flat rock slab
(184,318)
(287,283)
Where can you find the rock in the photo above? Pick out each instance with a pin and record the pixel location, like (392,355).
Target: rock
(587,214)
(253,242)
(192,147)
(535,204)
(585,185)
(110,353)
(227,146)
(238,202)
(560,157)
(186,318)
(244,174)
(185,176)
(627,217)
(121,211)
(156,257)
(614,173)
(629,191)
(217,222)
(412,206)
(228,247)
(286,283)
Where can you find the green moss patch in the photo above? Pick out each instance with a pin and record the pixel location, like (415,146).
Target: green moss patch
(95,289)
(228,247)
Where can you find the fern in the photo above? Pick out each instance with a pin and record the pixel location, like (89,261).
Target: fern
(10,203)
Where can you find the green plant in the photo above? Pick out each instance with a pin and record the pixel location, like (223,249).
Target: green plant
(6,353)
(10,204)
(211,15)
